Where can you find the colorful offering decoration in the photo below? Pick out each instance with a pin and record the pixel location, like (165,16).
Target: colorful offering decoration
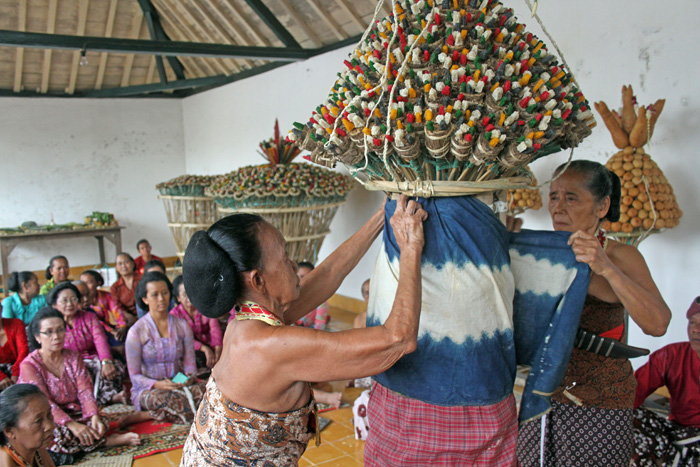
(522,199)
(185,185)
(648,204)
(446,91)
(299,199)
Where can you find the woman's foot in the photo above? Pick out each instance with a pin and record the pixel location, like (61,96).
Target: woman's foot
(328,398)
(123,439)
(136,417)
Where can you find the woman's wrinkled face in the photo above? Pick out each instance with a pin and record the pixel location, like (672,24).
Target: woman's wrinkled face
(157,296)
(34,427)
(572,206)
(52,334)
(124,265)
(31,287)
(67,303)
(278,271)
(59,270)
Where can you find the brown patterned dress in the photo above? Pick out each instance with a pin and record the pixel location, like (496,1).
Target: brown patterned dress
(224,433)
(591,419)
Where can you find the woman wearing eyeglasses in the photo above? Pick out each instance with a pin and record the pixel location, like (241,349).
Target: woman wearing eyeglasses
(61,375)
(85,335)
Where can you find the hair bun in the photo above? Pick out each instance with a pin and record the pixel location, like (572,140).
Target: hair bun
(211,279)
(615,197)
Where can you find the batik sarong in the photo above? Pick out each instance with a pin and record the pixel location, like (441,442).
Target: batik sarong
(224,433)
(659,441)
(409,433)
(173,405)
(105,389)
(65,442)
(577,436)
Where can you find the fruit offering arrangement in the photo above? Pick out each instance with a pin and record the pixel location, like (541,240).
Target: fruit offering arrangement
(451,90)
(648,203)
(522,199)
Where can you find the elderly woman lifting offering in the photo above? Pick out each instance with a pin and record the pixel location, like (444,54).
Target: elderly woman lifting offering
(259,405)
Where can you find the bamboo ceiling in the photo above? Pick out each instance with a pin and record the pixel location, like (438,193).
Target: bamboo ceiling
(51,63)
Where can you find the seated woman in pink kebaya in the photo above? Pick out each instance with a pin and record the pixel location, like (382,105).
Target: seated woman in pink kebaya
(62,377)
(85,335)
(106,308)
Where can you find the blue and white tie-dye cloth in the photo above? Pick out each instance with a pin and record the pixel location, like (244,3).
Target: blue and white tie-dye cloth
(466,342)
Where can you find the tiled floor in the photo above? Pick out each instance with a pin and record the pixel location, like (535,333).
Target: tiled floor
(339,448)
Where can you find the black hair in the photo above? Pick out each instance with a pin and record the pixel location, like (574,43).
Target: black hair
(153,262)
(34,327)
(14,401)
(52,297)
(306,264)
(14,283)
(95,275)
(216,259)
(601,183)
(141,291)
(179,280)
(131,258)
(48,269)
(143,240)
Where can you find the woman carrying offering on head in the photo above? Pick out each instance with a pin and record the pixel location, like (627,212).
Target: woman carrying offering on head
(25,301)
(591,418)
(208,339)
(26,427)
(62,377)
(160,356)
(123,290)
(56,272)
(259,406)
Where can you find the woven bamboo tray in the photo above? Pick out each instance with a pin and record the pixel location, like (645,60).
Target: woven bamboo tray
(303,227)
(430,188)
(634,238)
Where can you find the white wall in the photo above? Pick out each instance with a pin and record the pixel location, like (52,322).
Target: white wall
(607,44)
(69,157)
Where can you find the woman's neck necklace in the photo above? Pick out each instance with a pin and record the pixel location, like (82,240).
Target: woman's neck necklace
(250,310)
(21,457)
(600,235)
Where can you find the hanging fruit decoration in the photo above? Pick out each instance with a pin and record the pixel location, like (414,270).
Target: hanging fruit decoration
(522,199)
(648,204)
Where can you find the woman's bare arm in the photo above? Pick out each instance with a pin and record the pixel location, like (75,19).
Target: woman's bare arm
(629,278)
(321,283)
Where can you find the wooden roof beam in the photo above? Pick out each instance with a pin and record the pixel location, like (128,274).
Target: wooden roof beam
(240,19)
(108,33)
(148,47)
(301,22)
(352,14)
(158,33)
(19,60)
(135,33)
(272,22)
(50,28)
(239,36)
(335,27)
(191,62)
(82,21)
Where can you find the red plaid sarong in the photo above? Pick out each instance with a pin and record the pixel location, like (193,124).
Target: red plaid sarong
(407,432)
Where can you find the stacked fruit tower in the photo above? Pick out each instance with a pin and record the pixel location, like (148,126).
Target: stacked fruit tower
(648,204)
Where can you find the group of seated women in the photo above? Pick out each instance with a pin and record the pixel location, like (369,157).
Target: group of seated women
(81,345)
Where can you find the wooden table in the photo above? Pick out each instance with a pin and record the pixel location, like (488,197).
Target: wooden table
(9,242)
